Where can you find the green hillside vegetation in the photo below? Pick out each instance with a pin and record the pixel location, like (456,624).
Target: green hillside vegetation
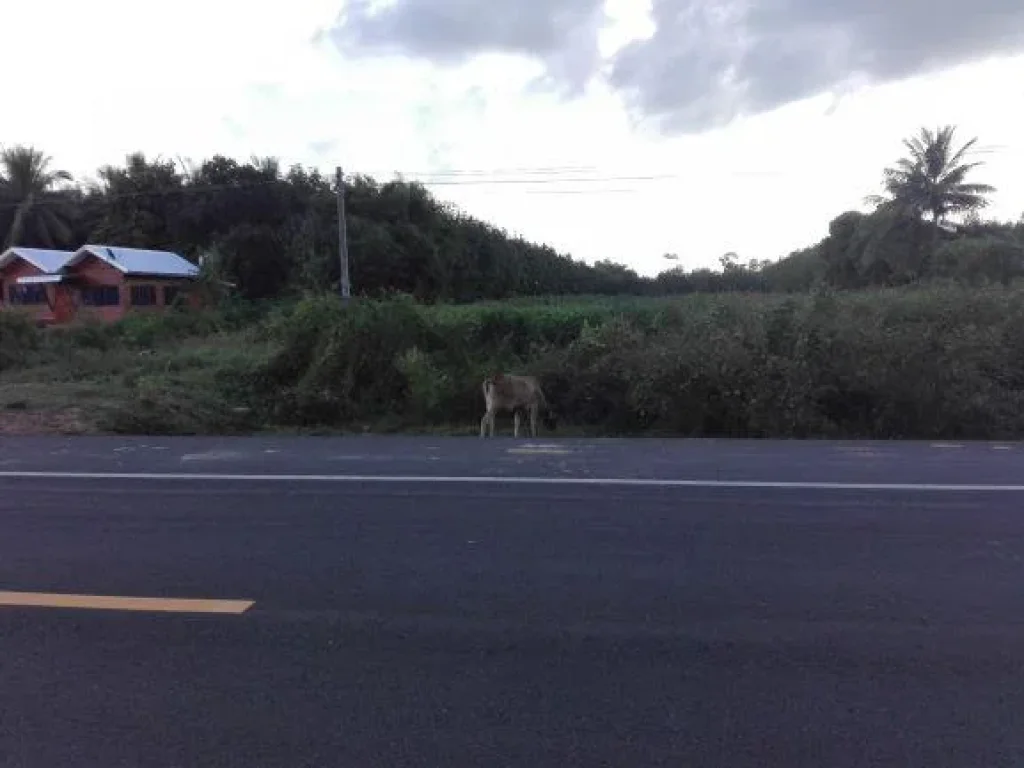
(895,325)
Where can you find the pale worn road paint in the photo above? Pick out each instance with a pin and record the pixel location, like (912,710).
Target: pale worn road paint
(947,445)
(213,456)
(863,452)
(551,448)
(549,451)
(640,482)
(113,603)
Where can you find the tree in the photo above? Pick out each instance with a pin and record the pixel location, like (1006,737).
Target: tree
(931,179)
(273,232)
(253,258)
(143,201)
(37,214)
(886,247)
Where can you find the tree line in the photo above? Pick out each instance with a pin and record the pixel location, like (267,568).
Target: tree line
(271,231)
(926,225)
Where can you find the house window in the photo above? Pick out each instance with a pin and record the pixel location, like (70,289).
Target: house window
(27,294)
(101,296)
(143,295)
(174,293)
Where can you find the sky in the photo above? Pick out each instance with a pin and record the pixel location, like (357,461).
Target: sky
(609,129)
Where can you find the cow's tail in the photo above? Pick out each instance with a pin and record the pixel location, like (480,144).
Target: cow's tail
(488,386)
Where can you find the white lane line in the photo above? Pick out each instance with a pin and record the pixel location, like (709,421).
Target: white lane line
(517,480)
(119,603)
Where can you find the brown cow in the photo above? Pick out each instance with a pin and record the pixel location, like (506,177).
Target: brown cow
(508,392)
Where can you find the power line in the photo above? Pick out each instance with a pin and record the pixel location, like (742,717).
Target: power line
(541,177)
(199,189)
(531,170)
(548,180)
(187,189)
(612,191)
(545,176)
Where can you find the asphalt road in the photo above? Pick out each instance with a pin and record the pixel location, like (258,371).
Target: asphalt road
(712,460)
(440,622)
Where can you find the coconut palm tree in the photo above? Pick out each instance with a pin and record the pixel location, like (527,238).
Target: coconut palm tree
(28,188)
(931,179)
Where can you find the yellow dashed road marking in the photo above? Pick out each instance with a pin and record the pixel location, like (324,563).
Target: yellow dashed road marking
(114,603)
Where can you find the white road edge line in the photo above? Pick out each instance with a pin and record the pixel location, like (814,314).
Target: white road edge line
(516,480)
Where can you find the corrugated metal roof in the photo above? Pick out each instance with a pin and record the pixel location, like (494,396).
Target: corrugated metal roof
(139,261)
(43,259)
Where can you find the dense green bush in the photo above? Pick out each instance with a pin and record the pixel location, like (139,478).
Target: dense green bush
(981,260)
(19,338)
(941,361)
(337,364)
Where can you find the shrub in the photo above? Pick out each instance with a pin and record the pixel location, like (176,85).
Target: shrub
(339,363)
(980,260)
(927,362)
(19,338)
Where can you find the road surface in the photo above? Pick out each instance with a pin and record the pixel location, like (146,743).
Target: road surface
(744,604)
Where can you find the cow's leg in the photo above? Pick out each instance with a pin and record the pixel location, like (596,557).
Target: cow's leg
(516,420)
(534,412)
(487,421)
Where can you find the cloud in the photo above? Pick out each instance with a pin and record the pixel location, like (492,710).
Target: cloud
(561,34)
(708,61)
(323,148)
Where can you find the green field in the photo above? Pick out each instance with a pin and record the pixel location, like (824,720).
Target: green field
(928,362)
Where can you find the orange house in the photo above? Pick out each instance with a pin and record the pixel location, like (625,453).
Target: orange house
(26,283)
(100,282)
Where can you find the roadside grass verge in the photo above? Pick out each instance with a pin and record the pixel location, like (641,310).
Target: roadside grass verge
(939,361)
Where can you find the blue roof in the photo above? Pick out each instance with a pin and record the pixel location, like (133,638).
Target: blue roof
(43,259)
(138,261)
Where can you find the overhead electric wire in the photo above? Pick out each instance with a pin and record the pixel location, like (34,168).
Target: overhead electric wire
(539,176)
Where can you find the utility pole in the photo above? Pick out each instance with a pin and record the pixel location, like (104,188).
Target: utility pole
(346,287)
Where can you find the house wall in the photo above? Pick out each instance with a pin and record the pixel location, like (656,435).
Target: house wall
(63,303)
(64,300)
(96,272)
(42,313)
(159,283)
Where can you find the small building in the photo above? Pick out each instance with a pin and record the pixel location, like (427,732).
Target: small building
(109,281)
(26,283)
(102,282)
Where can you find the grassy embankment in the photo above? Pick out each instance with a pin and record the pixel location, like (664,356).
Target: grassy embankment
(935,362)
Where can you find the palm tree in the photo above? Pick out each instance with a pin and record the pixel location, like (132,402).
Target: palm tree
(931,179)
(28,187)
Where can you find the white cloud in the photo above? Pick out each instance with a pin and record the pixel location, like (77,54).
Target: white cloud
(235,78)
